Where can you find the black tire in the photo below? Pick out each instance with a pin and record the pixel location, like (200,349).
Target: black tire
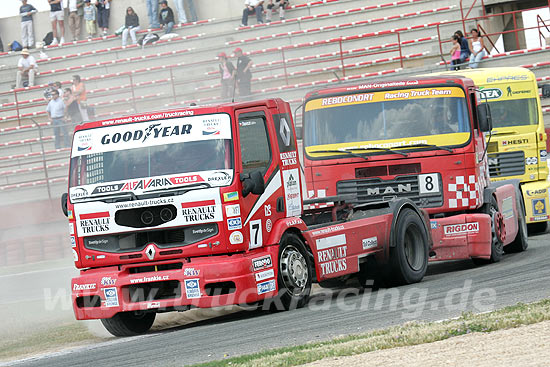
(295,273)
(497,250)
(521,242)
(409,257)
(129,323)
(537,228)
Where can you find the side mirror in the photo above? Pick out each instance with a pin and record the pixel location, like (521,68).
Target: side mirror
(484,117)
(64,198)
(546,91)
(253,183)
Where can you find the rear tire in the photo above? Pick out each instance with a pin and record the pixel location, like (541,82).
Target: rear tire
(496,246)
(409,256)
(295,272)
(520,243)
(129,323)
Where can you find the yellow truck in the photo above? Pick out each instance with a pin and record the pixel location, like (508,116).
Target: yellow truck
(517,146)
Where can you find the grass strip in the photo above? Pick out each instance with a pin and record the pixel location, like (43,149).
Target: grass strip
(45,340)
(412,333)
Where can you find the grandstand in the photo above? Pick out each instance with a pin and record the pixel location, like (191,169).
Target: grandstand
(320,43)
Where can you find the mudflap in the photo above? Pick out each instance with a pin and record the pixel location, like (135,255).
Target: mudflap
(536,197)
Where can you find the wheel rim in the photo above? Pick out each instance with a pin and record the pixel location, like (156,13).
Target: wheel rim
(294,270)
(498,230)
(413,246)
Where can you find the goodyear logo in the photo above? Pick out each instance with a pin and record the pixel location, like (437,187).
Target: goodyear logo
(539,207)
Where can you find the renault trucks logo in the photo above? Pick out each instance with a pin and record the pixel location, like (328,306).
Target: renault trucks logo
(153,131)
(211,126)
(461,229)
(491,93)
(84,142)
(150,252)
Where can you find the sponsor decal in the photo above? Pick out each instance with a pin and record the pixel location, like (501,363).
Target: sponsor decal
(78,193)
(327,230)
(544,217)
(192,289)
(73,241)
(106,281)
(153,131)
(268,286)
(543,155)
(211,126)
(491,93)
(261,263)
(507,78)
(191,272)
(236,237)
(84,287)
(461,229)
(231,196)
(99,257)
(332,241)
(220,177)
(370,242)
(70,214)
(508,207)
(263,275)
(361,97)
(234,223)
(268,225)
(539,206)
(515,142)
(154,278)
(267,210)
(333,260)
(89,226)
(153,305)
(142,203)
(289,158)
(233,210)
(199,211)
(433,225)
(111,297)
(535,192)
(530,161)
(293,199)
(84,142)
(75,256)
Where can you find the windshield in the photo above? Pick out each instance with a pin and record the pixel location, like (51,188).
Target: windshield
(387,119)
(513,104)
(151,155)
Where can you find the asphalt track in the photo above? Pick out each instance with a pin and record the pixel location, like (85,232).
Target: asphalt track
(448,290)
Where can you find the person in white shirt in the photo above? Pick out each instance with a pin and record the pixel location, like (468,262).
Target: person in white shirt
(26,66)
(76,12)
(27,35)
(251,7)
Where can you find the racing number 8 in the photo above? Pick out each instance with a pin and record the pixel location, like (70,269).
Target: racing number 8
(428,183)
(256,234)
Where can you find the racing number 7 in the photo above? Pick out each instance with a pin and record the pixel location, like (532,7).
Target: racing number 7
(256,233)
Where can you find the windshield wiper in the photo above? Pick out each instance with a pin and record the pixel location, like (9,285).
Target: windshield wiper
(390,150)
(185,187)
(422,145)
(341,151)
(112,195)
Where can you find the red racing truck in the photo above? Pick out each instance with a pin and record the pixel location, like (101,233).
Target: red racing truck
(419,138)
(203,207)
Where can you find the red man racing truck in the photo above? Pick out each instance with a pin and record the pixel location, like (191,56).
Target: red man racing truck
(420,139)
(204,207)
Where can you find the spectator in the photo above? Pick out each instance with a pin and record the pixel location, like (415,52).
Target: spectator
(26,67)
(103,11)
(153,13)
(76,11)
(132,26)
(243,75)
(464,47)
(79,93)
(56,113)
(455,53)
(251,7)
(57,15)
(279,4)
(477,48)
(227,74)
(166,17)
(182,18)
(57,86)
(27,35)
(71,107)
(90,15)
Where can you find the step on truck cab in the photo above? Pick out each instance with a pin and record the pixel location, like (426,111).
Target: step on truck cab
(419,138)
(517,145)
(204,207)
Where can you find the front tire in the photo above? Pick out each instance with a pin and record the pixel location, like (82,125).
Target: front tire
(520,242)
(295,272)
(409,256)
(129,323)
(496,246)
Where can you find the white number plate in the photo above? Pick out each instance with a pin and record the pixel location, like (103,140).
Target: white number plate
(428,183)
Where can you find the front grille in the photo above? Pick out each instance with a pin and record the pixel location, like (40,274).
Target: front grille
(126,242)
(375,190)
(506,164)
(154,291)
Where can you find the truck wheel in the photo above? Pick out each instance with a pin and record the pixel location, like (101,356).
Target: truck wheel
(520,242)
(129,323)
(409,256)
(496,246)
(294,275)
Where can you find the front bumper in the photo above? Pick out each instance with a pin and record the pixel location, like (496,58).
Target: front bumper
(175,285)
